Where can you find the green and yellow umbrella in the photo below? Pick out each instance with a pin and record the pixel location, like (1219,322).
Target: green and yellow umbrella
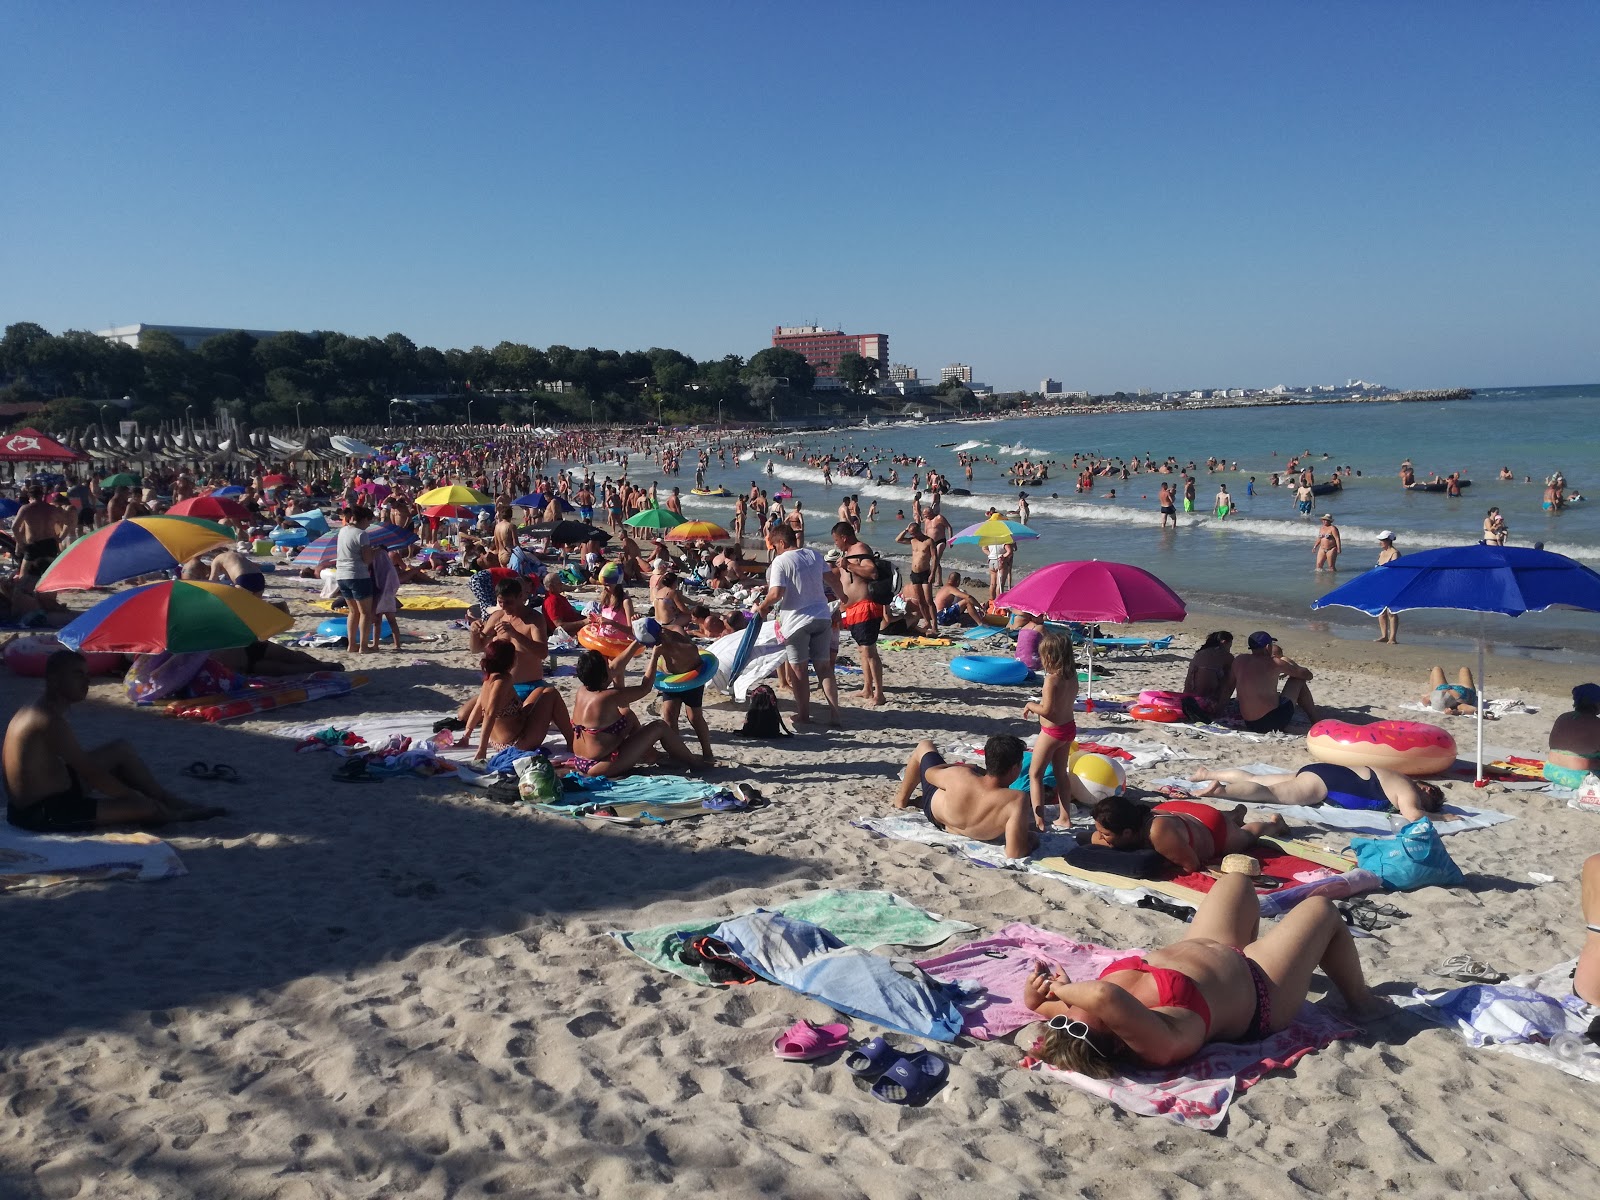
(455,493)
(176,615)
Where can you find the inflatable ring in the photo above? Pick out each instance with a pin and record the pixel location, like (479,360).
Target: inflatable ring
(687,681)
(340,627)
(592,637)
(989,668)
(1155,712)
(1410,747)
(26,656)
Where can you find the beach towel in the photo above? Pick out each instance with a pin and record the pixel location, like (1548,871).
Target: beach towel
(867,919)
(433,603)
(1502,1018)
(1199,1092)
(1329,816)
(38,860)
(806,958)
(1001,963)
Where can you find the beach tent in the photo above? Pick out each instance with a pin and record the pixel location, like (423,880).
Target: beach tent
(1509,580)
(29,445)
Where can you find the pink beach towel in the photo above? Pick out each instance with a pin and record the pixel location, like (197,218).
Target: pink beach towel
(1199,1097)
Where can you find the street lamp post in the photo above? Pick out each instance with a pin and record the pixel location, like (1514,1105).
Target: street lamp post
(392,403)
(297,405)
(719,414)
(469,410)
(591,412)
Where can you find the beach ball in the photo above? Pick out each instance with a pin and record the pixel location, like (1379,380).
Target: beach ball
(1094,777)
(611,573)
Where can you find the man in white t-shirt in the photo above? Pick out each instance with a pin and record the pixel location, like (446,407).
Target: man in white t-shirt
(352,568)
(795,586)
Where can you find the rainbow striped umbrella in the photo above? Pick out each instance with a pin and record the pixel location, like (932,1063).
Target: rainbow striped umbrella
(325,549)
(699,531)
(993,532)
(455,493)
(130,548)
(176,615)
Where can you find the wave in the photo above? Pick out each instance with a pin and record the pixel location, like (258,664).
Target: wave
(966,446)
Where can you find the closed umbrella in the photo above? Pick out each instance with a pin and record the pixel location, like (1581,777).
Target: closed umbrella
(1095,592)
(130,548)
(1509,580)
(176,615)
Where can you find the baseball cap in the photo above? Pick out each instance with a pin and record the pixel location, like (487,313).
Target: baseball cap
(1261,639)
(1386,535)
(1586,693)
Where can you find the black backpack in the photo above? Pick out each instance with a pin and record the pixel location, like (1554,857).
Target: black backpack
(884,586)
(762,719)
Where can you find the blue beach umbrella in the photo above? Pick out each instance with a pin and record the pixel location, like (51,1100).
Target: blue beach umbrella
(1508,580)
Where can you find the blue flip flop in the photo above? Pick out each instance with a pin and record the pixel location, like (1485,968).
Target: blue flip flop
(871,1059)
(912,1079)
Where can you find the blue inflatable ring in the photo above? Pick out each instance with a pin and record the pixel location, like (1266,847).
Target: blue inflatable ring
(670,685)
(339,627)
(990,668)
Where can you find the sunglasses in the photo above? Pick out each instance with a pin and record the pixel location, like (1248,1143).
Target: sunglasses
(1074,1029)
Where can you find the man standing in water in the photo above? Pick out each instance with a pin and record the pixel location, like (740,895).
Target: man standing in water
(1169,508)
(1388,622)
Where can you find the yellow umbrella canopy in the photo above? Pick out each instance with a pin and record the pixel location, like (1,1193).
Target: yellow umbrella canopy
(455,493)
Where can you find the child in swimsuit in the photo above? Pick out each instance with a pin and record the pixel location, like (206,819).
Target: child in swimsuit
(1057,726)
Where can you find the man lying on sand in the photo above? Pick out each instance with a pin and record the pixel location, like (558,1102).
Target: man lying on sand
(1370,788)
(971,803)
(1586,981)
(49,776)
(1189,836)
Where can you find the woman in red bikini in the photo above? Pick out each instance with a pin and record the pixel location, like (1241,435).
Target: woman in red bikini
(607,738)
(1221,983)
(1189,835)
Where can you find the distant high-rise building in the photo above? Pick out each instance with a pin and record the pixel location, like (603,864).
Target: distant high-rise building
(823,348)
(899,372)
(1050,387)
(959,371)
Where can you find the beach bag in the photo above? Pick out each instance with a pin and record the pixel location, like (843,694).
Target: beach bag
(885,585)
(1414,858)
(536,780)
(1588,795)
(762,719)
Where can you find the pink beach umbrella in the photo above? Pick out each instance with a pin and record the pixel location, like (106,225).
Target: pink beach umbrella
(1094,592)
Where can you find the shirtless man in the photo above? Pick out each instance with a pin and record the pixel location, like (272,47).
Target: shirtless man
(1365,788)
(862,616)
(1328,544)
(1586,980)
(971,803)
(1188,835)
(921,573)
(50,778)
(523,625)
(232,567)
(952,603)
(117,506)
(505,534)
(38,528)
(1303,498)
(1575,739)
(1255,681)
(1167,502)
(939,532)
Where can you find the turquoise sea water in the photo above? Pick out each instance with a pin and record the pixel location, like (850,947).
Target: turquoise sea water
(1261,559)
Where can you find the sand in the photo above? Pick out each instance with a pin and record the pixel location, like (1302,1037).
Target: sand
(401,989)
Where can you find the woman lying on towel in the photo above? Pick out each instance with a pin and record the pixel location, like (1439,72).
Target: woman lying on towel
(1370,788)
(1188,835)
(607,738)
(1221,983)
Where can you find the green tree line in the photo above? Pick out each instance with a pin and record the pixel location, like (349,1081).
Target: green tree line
(333,378)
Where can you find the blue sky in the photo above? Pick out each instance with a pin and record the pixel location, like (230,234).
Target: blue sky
(1118,196)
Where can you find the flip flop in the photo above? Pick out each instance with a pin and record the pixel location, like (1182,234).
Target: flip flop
(871,1059)
(803,1041)
(912,1079)
(354,770)
(1466,969)
(724,802)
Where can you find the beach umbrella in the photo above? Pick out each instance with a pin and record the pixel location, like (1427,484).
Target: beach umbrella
(1094,592)
(231,490)
(568,533)
(176,615)
(993,532)
(455,493)
(451,512)
(120,479)
(29,445)
(654,518)
(1509,580)
(533,500)
(212,508)
(130,548)
(8,508)
(272,481)
(313,521)
(699,531)
(322,552)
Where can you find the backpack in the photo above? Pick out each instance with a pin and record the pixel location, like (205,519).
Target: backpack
(885,584)
(762,719)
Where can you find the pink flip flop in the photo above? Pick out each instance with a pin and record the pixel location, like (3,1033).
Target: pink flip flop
(803,1041)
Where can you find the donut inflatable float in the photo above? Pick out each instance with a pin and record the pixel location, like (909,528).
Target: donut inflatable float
(1410,747)
(687,681)
(592,637)
(1163,707)
(26,656)
(989,668)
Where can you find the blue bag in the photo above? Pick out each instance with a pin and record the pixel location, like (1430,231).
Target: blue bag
(1414,858)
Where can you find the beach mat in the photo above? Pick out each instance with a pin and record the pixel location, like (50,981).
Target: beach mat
(1358,821)
(39,860)
(867,919)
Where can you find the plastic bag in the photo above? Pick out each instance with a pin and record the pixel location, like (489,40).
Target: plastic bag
(1414,858)
(1588,795)
(536,780)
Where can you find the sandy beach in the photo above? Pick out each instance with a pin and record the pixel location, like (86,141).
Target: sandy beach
(400,988)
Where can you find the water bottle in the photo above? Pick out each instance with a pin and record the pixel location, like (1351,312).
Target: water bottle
(1575,1048)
